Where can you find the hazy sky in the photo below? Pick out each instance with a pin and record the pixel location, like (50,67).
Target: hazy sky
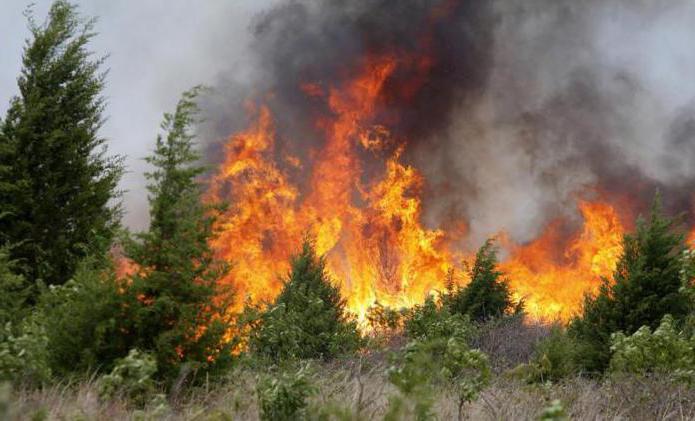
(157,48)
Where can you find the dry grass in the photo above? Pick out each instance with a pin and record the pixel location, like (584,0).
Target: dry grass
(509,342)
(361,388)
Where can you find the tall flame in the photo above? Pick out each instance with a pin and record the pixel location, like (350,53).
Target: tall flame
(553,286)
(371,233)
(367,221)
(376,251)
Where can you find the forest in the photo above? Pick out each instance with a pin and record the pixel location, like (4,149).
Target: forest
(100,322)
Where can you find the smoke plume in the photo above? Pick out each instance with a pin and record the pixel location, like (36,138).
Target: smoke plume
(511,110)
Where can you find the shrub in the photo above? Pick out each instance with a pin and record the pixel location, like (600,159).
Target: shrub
(487,295)
(424,364)
(467,370)
(665,350)
(411,374)
(687,275)
(308,318)
(646,285)
(430,321)
(553,412)
(131,377)
(383,319)
(553,358)
(24,353)
(80,319)
(284,397)
(23,342)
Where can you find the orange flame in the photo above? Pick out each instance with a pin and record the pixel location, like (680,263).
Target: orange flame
(371,232)
(378,251)
(376,246)
(553,286)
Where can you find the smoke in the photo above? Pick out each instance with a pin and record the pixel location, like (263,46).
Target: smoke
(521,108)
(584,98)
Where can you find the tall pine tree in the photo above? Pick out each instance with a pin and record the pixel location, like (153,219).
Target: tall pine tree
(176,308)
(646,285)
(57,184)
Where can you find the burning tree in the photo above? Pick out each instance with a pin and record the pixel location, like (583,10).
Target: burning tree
(175,306)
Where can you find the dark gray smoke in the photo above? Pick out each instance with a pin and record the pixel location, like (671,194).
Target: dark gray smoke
(528,105)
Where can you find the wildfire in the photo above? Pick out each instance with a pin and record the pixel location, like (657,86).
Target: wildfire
(368,222)
(553,284)
(377,251)
(371,234)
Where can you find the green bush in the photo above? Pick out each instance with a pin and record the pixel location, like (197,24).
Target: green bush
(383,319)
(24,353)
(553,412)
(687,275)
(14,290)
(431,320)
(646,285)
(487,295)
(411,374)
(665,350)
(553,359)
(284,397)
(131,377)
(467,370)
(439,361)
(23,341)
(81,319)
(308,318)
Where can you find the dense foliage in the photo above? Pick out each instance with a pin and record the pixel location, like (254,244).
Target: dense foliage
(14,290)
(553,360)
(438,354)
(431,320)
(487,295)
(665,350)
(81,319)
(283,397)
(646,285)
(132,377)
(175,307)
(57,185)
(308,318)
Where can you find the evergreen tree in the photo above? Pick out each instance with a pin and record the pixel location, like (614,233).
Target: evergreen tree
(487,295)
(13,290)
(646,285)
(56,182)
(308,318)
(176,308)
